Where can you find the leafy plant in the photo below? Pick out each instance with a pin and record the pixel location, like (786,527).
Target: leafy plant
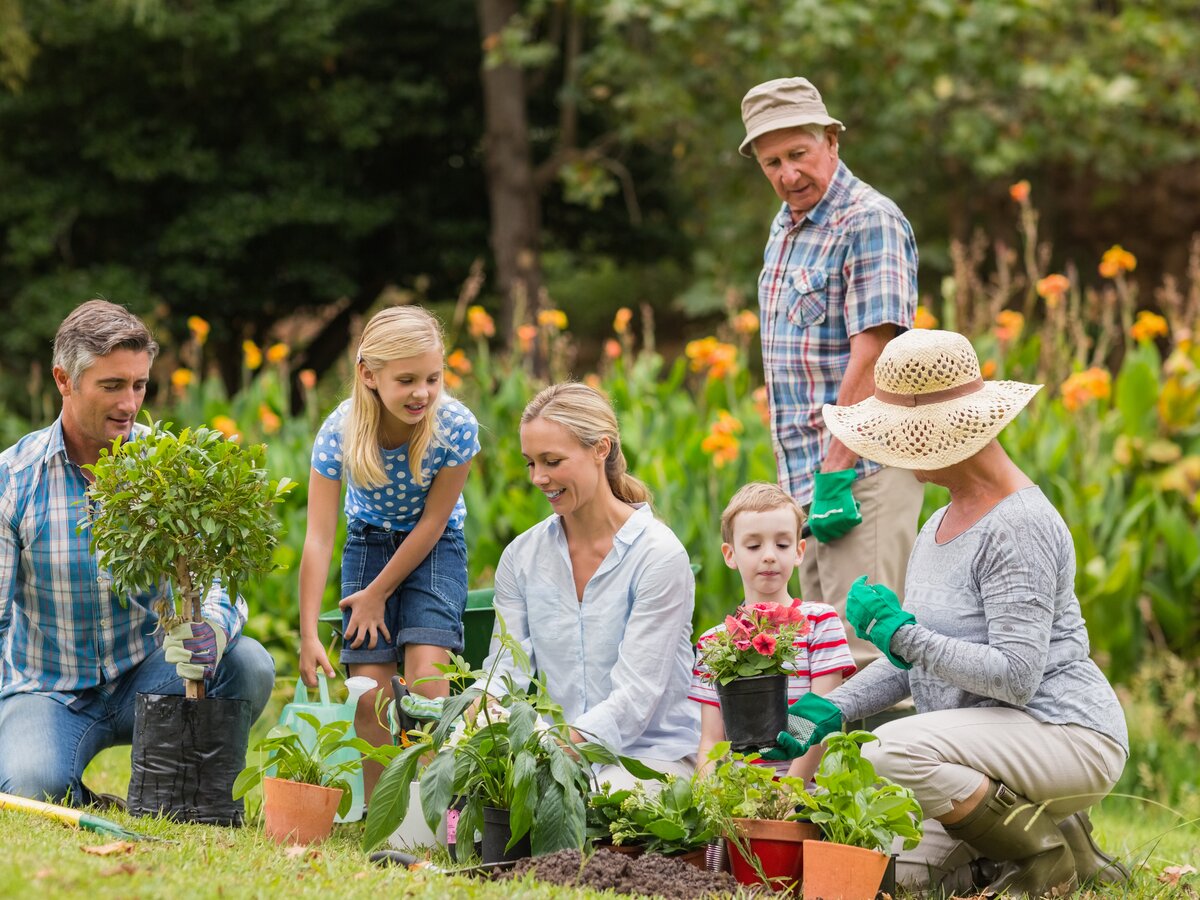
(283,753)
(674,819)
(739,788)
(759,639)
(853,804)
(178,514)
(514,754)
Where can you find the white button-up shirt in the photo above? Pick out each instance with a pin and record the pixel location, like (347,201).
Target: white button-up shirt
(619,662)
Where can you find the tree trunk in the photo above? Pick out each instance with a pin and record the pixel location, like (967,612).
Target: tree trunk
(512,192)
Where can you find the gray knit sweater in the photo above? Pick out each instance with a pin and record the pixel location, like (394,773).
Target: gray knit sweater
(998,624)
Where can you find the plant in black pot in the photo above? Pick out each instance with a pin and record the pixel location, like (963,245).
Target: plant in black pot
(749,661)
(184,517)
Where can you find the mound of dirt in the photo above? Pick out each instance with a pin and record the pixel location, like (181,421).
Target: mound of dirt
(646,875)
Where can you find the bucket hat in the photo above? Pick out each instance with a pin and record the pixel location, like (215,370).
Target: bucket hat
(782,103)
(931,407)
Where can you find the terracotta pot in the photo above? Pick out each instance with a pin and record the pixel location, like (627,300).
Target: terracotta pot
(779,848)
(841,872)
(296,813)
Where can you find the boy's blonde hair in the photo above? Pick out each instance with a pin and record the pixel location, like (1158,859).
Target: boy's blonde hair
(758,496)
(398,332)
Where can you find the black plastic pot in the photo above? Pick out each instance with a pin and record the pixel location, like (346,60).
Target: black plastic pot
(186,755)
(754,710)
(496,835)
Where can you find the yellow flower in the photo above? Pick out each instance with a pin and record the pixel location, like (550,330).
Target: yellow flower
(1053,288)
(1009,325)
(277,353)
(1082,387)
(621,319)
(226,426)
(199,328)
(459,362)
(252,357)
(1116,260)
(553,318)
(1019,191)
(745,322)
(1148,326)
(181,378)
(612,349)
(525,336)
(270,421)
(308,378)
(924,318)
(479,323)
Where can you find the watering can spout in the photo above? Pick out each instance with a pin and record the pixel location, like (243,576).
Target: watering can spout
(355,688)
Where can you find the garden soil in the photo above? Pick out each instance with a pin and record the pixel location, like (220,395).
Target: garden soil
(645,875)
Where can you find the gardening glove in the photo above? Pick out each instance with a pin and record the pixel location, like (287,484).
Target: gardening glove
(875,613)
(422,707)
(195,648)
(833,512)
(810,719)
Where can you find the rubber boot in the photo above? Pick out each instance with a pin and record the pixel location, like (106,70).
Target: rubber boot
(1091,863)
(1029,853)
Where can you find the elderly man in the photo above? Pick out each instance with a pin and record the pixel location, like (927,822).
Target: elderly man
(74,655)
(839,281)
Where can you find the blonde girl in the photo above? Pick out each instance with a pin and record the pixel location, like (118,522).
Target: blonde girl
(403,447)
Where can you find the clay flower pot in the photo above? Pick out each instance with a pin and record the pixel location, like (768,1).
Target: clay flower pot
(779,847)
(841,872)
(296,813)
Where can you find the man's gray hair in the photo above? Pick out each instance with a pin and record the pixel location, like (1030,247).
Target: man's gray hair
(97,328)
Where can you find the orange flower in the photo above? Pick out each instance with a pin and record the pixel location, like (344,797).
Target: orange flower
(924,318)
(199,328)
(1082,387)
(1116,260)
(552,318)
(181,378)
(277,353)
(710,354)
(592,380)
(479,323)
(988,369)
(1053,288)
(459,362)
(252,357)
(308,378)
(270,421)
(525,336)
(721,442)
(1019,191)
(612,349)
(1148,326)
(1009,325)
(761,404)
(621,319)
(745,322)
(452,380)
(226,426)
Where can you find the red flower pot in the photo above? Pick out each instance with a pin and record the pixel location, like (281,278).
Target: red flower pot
(779,847)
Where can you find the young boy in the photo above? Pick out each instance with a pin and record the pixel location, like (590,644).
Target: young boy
(760,530)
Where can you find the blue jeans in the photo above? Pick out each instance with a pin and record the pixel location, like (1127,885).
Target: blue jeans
(45,745)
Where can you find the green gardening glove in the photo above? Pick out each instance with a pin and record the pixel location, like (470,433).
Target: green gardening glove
(420,707)
(833,512)
(195,648)
(875,613)
(810,719)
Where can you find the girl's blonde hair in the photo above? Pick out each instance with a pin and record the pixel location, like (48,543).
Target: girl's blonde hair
(589,417)
(398,332)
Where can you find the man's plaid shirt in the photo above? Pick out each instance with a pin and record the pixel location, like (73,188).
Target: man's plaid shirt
(848,265)
(61,629)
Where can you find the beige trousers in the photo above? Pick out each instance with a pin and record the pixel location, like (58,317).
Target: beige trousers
(890,504)
(943,756)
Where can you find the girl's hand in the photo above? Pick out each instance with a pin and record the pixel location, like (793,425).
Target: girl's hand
(366,619)
(312,654)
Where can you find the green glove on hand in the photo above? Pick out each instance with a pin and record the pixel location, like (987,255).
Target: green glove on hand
(833,512)
(195,648)
(810,719)
(875,613)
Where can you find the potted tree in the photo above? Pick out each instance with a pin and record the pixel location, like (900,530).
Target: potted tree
(860,814)
(180,516)
(749,661)
(305,783)
(675,820)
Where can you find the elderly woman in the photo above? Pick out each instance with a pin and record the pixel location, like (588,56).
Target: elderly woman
(600,594)
(1017,731)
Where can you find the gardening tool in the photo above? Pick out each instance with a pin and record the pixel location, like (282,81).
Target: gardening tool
(399,858)
(73,817)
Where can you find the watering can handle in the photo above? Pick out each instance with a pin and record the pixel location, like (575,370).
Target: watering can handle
(322,685)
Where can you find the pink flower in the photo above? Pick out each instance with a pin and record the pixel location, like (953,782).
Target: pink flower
(736,628)
(743,645)
(779,614)
(764,644)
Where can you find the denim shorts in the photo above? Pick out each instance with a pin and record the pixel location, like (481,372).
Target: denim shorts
(428,606)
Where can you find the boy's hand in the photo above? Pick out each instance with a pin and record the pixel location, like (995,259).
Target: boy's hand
(810,719)
(833,512)
(874,611)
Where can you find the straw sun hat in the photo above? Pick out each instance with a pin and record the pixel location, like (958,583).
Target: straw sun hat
(931,407)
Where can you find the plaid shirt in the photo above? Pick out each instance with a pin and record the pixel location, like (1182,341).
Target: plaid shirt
(61,629)
(850,264)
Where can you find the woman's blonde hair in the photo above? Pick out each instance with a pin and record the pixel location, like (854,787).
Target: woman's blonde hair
(589,417)
(398,332)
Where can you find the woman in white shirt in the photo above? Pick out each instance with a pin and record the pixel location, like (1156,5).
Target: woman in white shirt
(601,593)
